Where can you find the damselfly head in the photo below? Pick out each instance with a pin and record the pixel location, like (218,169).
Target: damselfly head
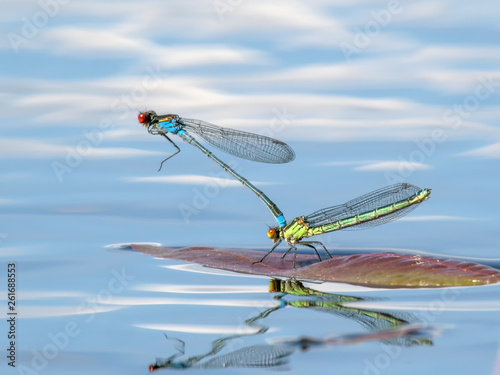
(161,363)
(272,233)
(146,118)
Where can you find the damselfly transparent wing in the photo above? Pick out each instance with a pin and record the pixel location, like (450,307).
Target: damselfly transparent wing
(365,204)
(254,356)
(245,145)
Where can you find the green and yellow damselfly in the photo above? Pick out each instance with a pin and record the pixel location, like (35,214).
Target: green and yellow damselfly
(375,208)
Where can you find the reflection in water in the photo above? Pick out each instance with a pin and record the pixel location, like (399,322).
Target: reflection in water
(333,304)
(392,329)
(252,356)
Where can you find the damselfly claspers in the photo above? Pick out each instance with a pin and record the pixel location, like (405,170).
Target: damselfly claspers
(245,145)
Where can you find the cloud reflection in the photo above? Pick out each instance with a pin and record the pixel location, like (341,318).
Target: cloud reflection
(201,329)
(34,312)
(150,301)
(201,289)
(190,179)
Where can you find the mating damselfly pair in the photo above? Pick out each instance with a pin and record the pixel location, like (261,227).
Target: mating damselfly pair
(375,208)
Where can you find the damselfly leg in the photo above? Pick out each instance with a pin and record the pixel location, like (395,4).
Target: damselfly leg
(286,252)
(307,243)
(312,247)
(270,251)
(175,153)
(294,247)
(295,254)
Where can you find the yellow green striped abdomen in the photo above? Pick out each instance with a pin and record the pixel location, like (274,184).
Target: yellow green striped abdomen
(376,214)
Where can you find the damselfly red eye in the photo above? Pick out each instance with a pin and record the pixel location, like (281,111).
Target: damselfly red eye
(142,117)
(271,233)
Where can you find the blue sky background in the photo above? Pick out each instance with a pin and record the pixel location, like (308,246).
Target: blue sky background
(366,92)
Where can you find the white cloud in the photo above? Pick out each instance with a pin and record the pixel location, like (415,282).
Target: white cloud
(292,63)
(204,55)
(109,43)
(344,163)
(313,116)
(36,312)
(93,42)
(200,289)
(124,133)
(121,152)
(50,294)
(27,148)
(190,179)
(201,329)
(414,70)
(393,166)
(492,151)
(449,54)
(287,13)
(147,301)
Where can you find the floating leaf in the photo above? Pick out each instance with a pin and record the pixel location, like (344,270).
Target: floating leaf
(387,270)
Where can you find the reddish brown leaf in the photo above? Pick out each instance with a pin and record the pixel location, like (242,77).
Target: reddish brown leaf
(374,270)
